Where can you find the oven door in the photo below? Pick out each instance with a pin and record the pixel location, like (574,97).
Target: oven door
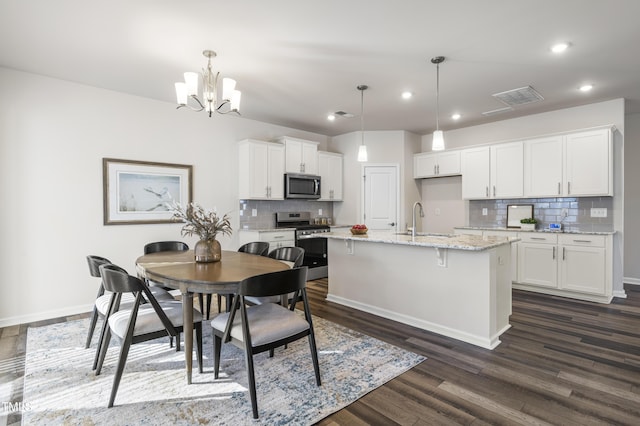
(315,251)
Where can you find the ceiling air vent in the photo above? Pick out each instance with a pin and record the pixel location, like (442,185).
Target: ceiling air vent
(521,96)
(497,111)
(343,114)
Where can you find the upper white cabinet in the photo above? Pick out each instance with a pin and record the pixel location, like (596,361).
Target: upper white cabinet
(492,171)
(330,171)
(261,169)
(301,156)
(428,164)
(576,164)
(476,173)
(506,170)
(588,160)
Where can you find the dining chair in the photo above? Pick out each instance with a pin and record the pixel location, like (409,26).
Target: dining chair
(101,304)
(260,248)
(159,246)
(264,327)
(292,256)
(142,322)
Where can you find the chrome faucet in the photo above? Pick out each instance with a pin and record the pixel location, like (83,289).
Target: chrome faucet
(413,221)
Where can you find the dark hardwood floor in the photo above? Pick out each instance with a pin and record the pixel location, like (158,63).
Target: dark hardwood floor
(563,362)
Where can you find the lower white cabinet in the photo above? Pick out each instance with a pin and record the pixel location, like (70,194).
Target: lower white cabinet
(571,265)
(275,238)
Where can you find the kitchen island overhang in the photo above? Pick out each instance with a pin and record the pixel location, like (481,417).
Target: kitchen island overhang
(457,286)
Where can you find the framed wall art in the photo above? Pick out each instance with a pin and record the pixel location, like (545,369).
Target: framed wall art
(138,192)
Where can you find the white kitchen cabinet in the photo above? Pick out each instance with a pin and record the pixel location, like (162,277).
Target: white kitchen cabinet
(476,173)
(301,156)
(506,170)
(261,170)
(330,171)
(570,265)
(588,163)
(575,164)
(275,238)
(492,171)
(583,263)
(543,167)
(538,260)
(428,164)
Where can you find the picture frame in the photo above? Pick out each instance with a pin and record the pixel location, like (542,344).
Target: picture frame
(137,192)
(517,212)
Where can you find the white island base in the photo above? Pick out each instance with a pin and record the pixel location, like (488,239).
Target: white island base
(463,294)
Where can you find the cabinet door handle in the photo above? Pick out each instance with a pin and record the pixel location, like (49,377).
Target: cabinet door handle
(438,167)
(554,253)
(494,190)
(563,253)
(568,188)
(559,188)
(486,191)
(435,170)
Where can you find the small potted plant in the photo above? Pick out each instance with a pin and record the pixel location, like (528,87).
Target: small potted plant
(206,224)
(528,224)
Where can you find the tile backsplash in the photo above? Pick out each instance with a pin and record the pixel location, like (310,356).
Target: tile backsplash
(266,210)
(546,211)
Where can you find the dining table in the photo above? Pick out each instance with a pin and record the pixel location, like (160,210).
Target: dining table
(179,270)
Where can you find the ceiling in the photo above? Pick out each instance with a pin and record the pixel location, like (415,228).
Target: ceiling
(296,61)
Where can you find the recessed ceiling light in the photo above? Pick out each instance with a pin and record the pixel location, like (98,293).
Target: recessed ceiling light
(456,116)
(586,87)
(407,95)
(331,117)
(559,47)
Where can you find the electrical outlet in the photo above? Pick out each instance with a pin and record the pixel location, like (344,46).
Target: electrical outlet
(599,212)
(254,212)
(564,212)
(319,212)
(485,211)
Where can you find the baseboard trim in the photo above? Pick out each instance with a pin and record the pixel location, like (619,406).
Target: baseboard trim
(47,315)
(629,280)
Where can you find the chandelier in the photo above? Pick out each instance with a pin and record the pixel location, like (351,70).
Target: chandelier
(230,101)
(362,150)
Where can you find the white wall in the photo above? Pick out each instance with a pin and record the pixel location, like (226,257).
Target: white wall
(632,199)
(53,136)
(383,147)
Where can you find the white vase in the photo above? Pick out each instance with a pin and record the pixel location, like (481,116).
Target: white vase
(528,226)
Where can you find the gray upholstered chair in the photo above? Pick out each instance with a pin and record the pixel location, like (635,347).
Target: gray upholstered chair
(101,305)
(267,326)
(292,256)
(142,322)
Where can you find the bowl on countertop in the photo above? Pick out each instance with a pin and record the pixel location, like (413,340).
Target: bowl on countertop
(358,231)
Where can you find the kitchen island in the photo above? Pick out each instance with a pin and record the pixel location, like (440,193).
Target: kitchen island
(455,285)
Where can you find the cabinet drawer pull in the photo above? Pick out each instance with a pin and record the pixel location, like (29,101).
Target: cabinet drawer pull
(539,238)
(582,241)
(278,236)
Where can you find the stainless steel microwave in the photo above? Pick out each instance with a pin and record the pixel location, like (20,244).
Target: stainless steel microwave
(301,186)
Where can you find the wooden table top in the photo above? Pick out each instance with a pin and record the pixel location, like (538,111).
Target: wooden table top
(180,271)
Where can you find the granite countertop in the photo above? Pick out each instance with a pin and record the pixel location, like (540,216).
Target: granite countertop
(489,228)
(444,241)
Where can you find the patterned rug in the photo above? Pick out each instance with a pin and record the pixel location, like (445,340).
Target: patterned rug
(61,388)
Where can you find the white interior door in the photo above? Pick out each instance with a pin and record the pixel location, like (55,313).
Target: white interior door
(380,197)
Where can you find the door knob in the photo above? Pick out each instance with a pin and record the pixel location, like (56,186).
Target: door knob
(392,224)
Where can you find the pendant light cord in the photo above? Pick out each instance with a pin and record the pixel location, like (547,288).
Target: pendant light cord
(438,96)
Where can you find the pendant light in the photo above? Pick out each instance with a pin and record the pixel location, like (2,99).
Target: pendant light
(362,151)
(437,143)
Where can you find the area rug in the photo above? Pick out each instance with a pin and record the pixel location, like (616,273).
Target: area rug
(61,388)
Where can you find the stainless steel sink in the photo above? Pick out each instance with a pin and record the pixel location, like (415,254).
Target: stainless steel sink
(427,234)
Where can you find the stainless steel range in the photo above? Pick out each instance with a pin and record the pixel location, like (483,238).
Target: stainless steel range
(315,249)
